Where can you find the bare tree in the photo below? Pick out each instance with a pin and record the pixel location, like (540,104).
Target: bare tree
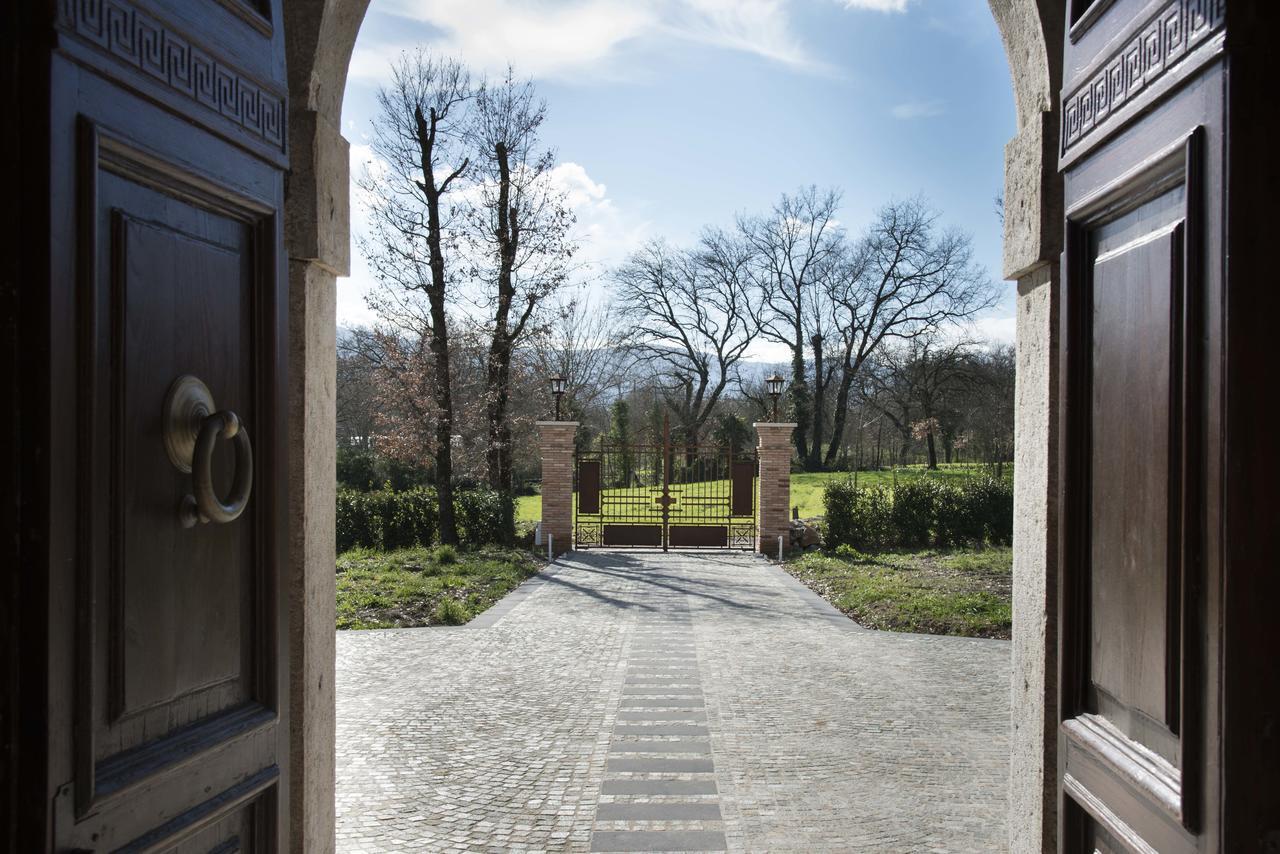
(913,383)
(795,248)
(519,237)
(582,343)
(690,320)
(989,405)
(420,143)
(904,280)
(355,391)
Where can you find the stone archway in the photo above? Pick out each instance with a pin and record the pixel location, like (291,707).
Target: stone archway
(320,37)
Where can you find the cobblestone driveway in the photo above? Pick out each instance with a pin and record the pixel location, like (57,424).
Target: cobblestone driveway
(651,702)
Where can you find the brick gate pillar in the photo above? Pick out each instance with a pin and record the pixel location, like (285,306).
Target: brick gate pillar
(774,508)
(555,442)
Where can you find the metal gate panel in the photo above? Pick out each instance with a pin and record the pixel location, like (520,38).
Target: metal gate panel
(665,495)
(698,536)
(589,486)
(631,535)
(743,488)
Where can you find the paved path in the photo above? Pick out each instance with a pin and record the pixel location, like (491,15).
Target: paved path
(650,702)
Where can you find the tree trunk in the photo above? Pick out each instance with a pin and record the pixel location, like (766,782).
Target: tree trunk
(444,419)
(439,334)
(800,398)
(933,450)
(498,453)
(498,374)
(814,461)
(847,374)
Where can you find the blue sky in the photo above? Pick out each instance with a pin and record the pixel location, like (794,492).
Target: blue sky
(668,115)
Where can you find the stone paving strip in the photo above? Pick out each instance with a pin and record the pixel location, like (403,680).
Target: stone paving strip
(669,702)
(662,675)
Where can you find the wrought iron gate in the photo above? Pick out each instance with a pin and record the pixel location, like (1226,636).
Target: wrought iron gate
(665,496)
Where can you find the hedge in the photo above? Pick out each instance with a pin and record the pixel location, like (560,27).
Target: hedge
(919,512)
(386,519)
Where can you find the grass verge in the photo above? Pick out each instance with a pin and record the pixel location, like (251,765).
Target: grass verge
(938,592)
(425,587)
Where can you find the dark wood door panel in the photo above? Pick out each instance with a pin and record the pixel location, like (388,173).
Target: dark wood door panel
(178,697)
(1139,381)
(180,633)
(1135,287)
(234,814)
(167,640)
(158,676)
(1124,746)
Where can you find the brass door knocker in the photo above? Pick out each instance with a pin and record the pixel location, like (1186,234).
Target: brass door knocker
(191,428)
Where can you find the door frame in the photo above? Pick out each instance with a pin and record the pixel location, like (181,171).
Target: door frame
(24,371)
(321,35)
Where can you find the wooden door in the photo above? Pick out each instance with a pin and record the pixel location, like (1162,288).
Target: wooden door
(1143,153)
(166,659)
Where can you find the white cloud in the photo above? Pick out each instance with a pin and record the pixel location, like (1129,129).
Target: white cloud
(752,26)
(606,235)
(877,5)
(918,110)
(997,330)
(565,39)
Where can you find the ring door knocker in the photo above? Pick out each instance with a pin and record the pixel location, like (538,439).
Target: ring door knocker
(191,428)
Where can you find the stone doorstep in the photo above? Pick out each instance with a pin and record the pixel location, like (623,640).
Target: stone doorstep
(662,691)
(671,811)
(671,703)
(661,652)
(665,670)
(659,765)
(660,715)
(658,840)
(658,787)
(661,729)
(701,747)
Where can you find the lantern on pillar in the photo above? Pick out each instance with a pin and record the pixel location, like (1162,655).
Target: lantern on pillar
(774,384)
(558,386)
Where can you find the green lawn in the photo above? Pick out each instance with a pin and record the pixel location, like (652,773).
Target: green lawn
(806,487)
(424,587)
(942,592)
(529,508)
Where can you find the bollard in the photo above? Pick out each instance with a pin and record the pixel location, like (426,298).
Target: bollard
(779,549)
(550,553)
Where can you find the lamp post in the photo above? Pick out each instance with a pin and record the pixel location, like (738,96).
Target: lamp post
(774,384)
(558,385)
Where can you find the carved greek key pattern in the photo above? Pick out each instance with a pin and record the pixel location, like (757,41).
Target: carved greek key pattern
(1155,49)
(132,36)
